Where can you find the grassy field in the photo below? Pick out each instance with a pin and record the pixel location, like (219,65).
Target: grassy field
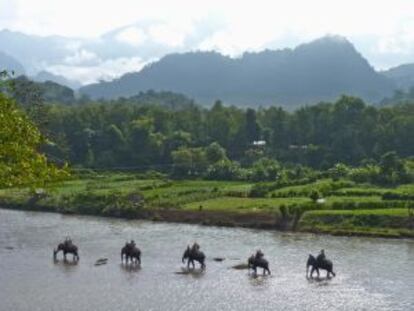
(235,204)
(380,222)
(347,208)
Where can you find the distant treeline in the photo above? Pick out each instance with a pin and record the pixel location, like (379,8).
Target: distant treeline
(157,130)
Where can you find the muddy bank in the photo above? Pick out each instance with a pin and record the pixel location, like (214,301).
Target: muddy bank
(256,220)
(217,218)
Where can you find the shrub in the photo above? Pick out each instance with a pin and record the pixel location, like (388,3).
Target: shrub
(315,195)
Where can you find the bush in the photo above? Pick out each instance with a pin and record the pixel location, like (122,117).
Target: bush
(225,170)
(315,195)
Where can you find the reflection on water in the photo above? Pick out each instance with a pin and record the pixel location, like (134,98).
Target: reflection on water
(66,266)
(372,274)
(130,267)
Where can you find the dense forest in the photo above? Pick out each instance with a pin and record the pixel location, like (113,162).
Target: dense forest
(170,133)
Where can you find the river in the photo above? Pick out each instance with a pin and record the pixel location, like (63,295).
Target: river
(372,274)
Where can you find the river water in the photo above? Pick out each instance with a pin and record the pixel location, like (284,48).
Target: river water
(372,274)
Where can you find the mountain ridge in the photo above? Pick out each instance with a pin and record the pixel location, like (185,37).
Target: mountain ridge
(320,70)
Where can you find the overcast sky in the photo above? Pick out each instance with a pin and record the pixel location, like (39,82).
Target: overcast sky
(383,31)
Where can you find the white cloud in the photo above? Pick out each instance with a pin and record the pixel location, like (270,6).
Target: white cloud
(81,57)
(132,35)
(104,70)
(167,35)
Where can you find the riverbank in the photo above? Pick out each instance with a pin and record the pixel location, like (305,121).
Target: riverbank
(224,204)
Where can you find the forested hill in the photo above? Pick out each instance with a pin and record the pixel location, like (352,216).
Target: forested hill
(320,70)
(402,75)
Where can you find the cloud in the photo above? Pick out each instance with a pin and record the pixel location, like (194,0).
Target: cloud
(103,70)
(132,35)
(81,57)
(167,35)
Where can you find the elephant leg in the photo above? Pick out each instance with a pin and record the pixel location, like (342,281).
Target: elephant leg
(64,256)
(313,270)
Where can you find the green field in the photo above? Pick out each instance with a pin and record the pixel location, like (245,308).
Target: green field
(346,208)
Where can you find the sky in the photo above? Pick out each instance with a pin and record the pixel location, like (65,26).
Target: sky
(144,30)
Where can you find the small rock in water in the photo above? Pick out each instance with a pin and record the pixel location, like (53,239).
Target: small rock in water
(101,261)
(9,247)
(218,259)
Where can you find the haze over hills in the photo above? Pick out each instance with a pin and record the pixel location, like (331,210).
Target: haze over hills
(44,76)
(320,70)
(10,64)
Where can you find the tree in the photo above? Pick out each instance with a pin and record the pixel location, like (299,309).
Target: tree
(340,170)
(224,170)
(266,169)
(215,153)
(189,162)
(390,162)
(252,127)
(392,168)
(20,161)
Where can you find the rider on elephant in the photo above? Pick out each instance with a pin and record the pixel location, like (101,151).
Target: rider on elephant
(195,247)
(68,241)
(321,257)
(132,244)
(259,254)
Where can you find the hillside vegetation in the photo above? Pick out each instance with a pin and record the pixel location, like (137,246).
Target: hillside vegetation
(340,209)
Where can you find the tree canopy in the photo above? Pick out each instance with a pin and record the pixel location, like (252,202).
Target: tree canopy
(21,163)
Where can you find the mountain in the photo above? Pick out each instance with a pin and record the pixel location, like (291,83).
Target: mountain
(26,92)
(44,76)
(320,70)
(403,76)
(10,64)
